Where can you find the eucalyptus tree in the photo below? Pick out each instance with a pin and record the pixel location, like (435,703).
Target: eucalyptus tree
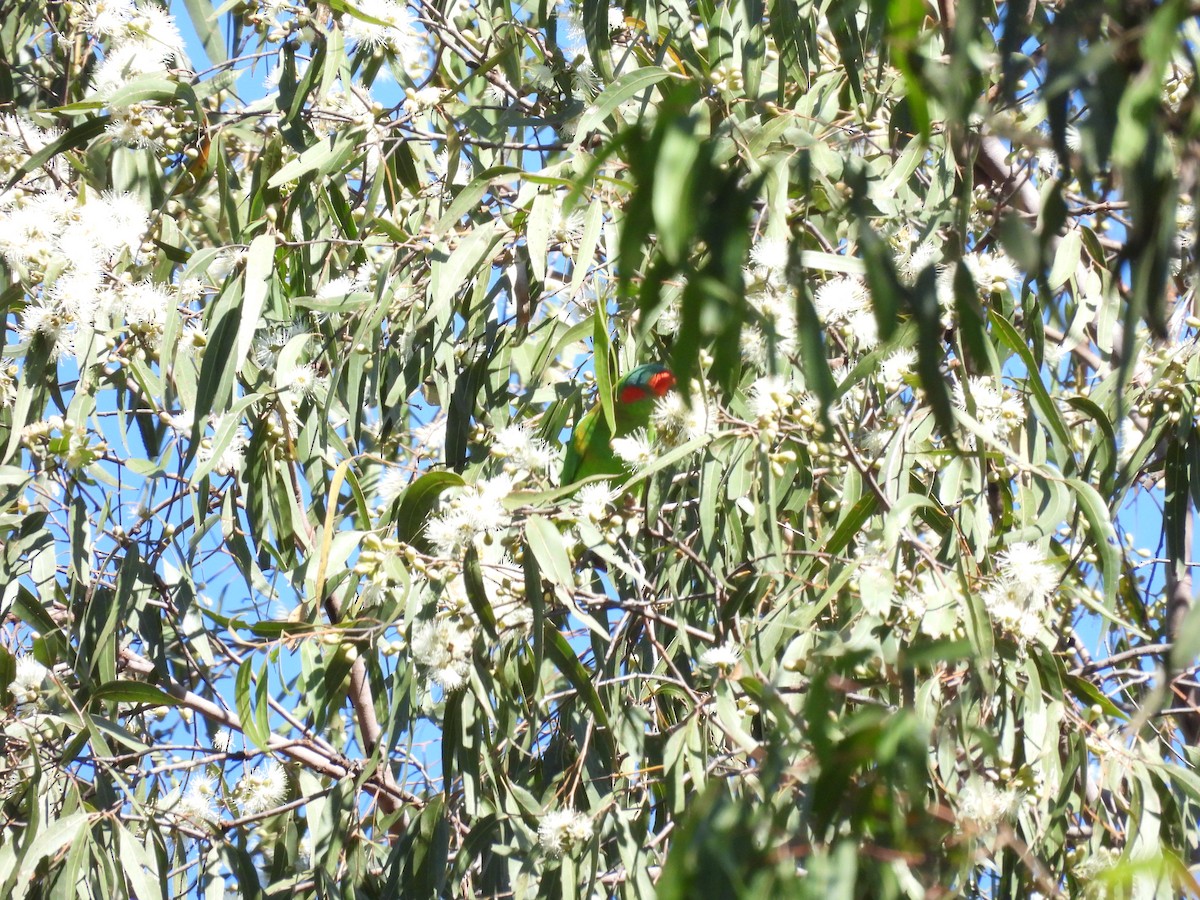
(894,597)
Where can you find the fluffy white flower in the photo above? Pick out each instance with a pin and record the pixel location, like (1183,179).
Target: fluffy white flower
(398,34)
(676,422)
(1007,605)
(771,255)
(1026,566)
(197,803)
(913,264)
(563,830)
(19,139)
(593,499)
(300,380)
(724,657)
(836,300)
(444,646)
(111,223)
(26,685)
(31,230)
(477,510)
(233,457)
(107,18)
(153,25)
(146,303)
(261,788)
(984,805)
(770,398)
(864,329)
(992,271)
(635,450)
(431,437)
(896,366)
(129,60)
(996,410)
(392,484)
(517,446)
(51,323)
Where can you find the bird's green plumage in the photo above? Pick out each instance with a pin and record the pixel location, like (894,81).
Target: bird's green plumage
(589,450)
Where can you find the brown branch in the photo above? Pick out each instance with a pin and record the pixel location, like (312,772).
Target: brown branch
(389,795)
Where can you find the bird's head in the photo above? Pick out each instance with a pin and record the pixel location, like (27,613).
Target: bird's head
(646,382)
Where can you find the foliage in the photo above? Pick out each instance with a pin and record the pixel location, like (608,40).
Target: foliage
(294,601)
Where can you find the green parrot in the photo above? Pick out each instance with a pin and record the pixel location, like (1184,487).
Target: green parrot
(589,450)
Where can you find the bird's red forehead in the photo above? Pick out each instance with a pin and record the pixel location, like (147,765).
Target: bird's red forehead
(661,382)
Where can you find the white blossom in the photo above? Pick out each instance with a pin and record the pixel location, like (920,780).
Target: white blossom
(146,303)
(1007,605)
(127,61)
(20,138)
(197,802)
(984,805)
(1026,567)
(636,449)
(677,421)
(836,300)
(261,788)
(444,646)
(26,686)
(770,398)
(593,499)
(477,510)
(991,271)
(863,328)
(31,230)
(107,18)
(392,484)
(771,254)
(50,323)
(563,830)
(723,657)
(995,409)
(516,445)
(398,34)
(912,264)
(111,223)
(896,366)
(301,380)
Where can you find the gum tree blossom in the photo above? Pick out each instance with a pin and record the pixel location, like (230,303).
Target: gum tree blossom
(676,421)
(395,31)
(520,450)
(723,657)
(31,675)
(995,409)
(636,449)
(445,647)
(261,788)
(564,830)
(478,510)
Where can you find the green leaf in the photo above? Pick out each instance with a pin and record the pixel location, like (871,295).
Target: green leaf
(220,363)
(477,592)
(418,502)
(134,692)
(260,272)
(602,365)
(72,139)
(467,200)
(624,88)
(324,157)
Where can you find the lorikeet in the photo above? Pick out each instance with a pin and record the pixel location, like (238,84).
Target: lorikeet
(589,450)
